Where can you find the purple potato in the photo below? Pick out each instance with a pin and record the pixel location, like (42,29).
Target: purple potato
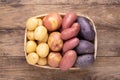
(84,47)
(86,29)
(84,60)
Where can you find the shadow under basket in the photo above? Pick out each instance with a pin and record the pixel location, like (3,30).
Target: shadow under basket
(62,14)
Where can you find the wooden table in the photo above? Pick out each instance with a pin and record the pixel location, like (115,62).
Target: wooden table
(14,13)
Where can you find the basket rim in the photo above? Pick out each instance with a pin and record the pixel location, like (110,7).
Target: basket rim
(62,14)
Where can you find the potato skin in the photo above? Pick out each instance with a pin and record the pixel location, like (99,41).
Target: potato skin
(42,61)
(52,21)
(68,60)
(30,46)
(44,40)
(30,35)
(84,60)
(42,50)
(40,33)
(54,59)
(86,30)
(40,22)
(84,47)
(70,32)
(68,20)
(32,23)
(32,58)
(55,42)
(70,44)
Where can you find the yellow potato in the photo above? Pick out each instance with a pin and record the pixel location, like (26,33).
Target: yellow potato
(31,46)
(42,50)
(42,61)
(40,22)
(32,58)
(32,23)
(30,35)
(40,33)
(44,40)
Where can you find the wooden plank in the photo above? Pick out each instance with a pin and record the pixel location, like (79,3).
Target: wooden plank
(16,68)
(11,42)
(15,16)
(94,2)
(41,2)
(44,2)
(108,43)
(54,2)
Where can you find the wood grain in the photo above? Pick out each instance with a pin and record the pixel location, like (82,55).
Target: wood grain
(105,17)
(11,42)
(108,43)
(14,13)
(17,65)
(62,2)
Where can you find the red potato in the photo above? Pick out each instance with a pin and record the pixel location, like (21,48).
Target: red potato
(54,59)
(70,32)
(52,21)
(68,20)
(55,42)
(68,60)
(70,44)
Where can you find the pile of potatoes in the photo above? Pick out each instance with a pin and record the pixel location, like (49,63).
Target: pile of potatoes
(60,41)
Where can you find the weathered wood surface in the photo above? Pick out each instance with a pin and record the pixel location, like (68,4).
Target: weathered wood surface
(16,68)
(14,16)
(14,13)
(62,2)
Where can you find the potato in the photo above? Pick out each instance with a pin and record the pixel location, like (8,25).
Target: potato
(52,21)
(68,20)
(31,46)
(42,50)
(84,61)
(32,58)
(68,60)
(55,42)
(40,33)
(54,59)
(42,61)
(30,35)
(44,40)
(84,47)
(70,32)
(70,44)
(86,30)
(32,23)
(40,22)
